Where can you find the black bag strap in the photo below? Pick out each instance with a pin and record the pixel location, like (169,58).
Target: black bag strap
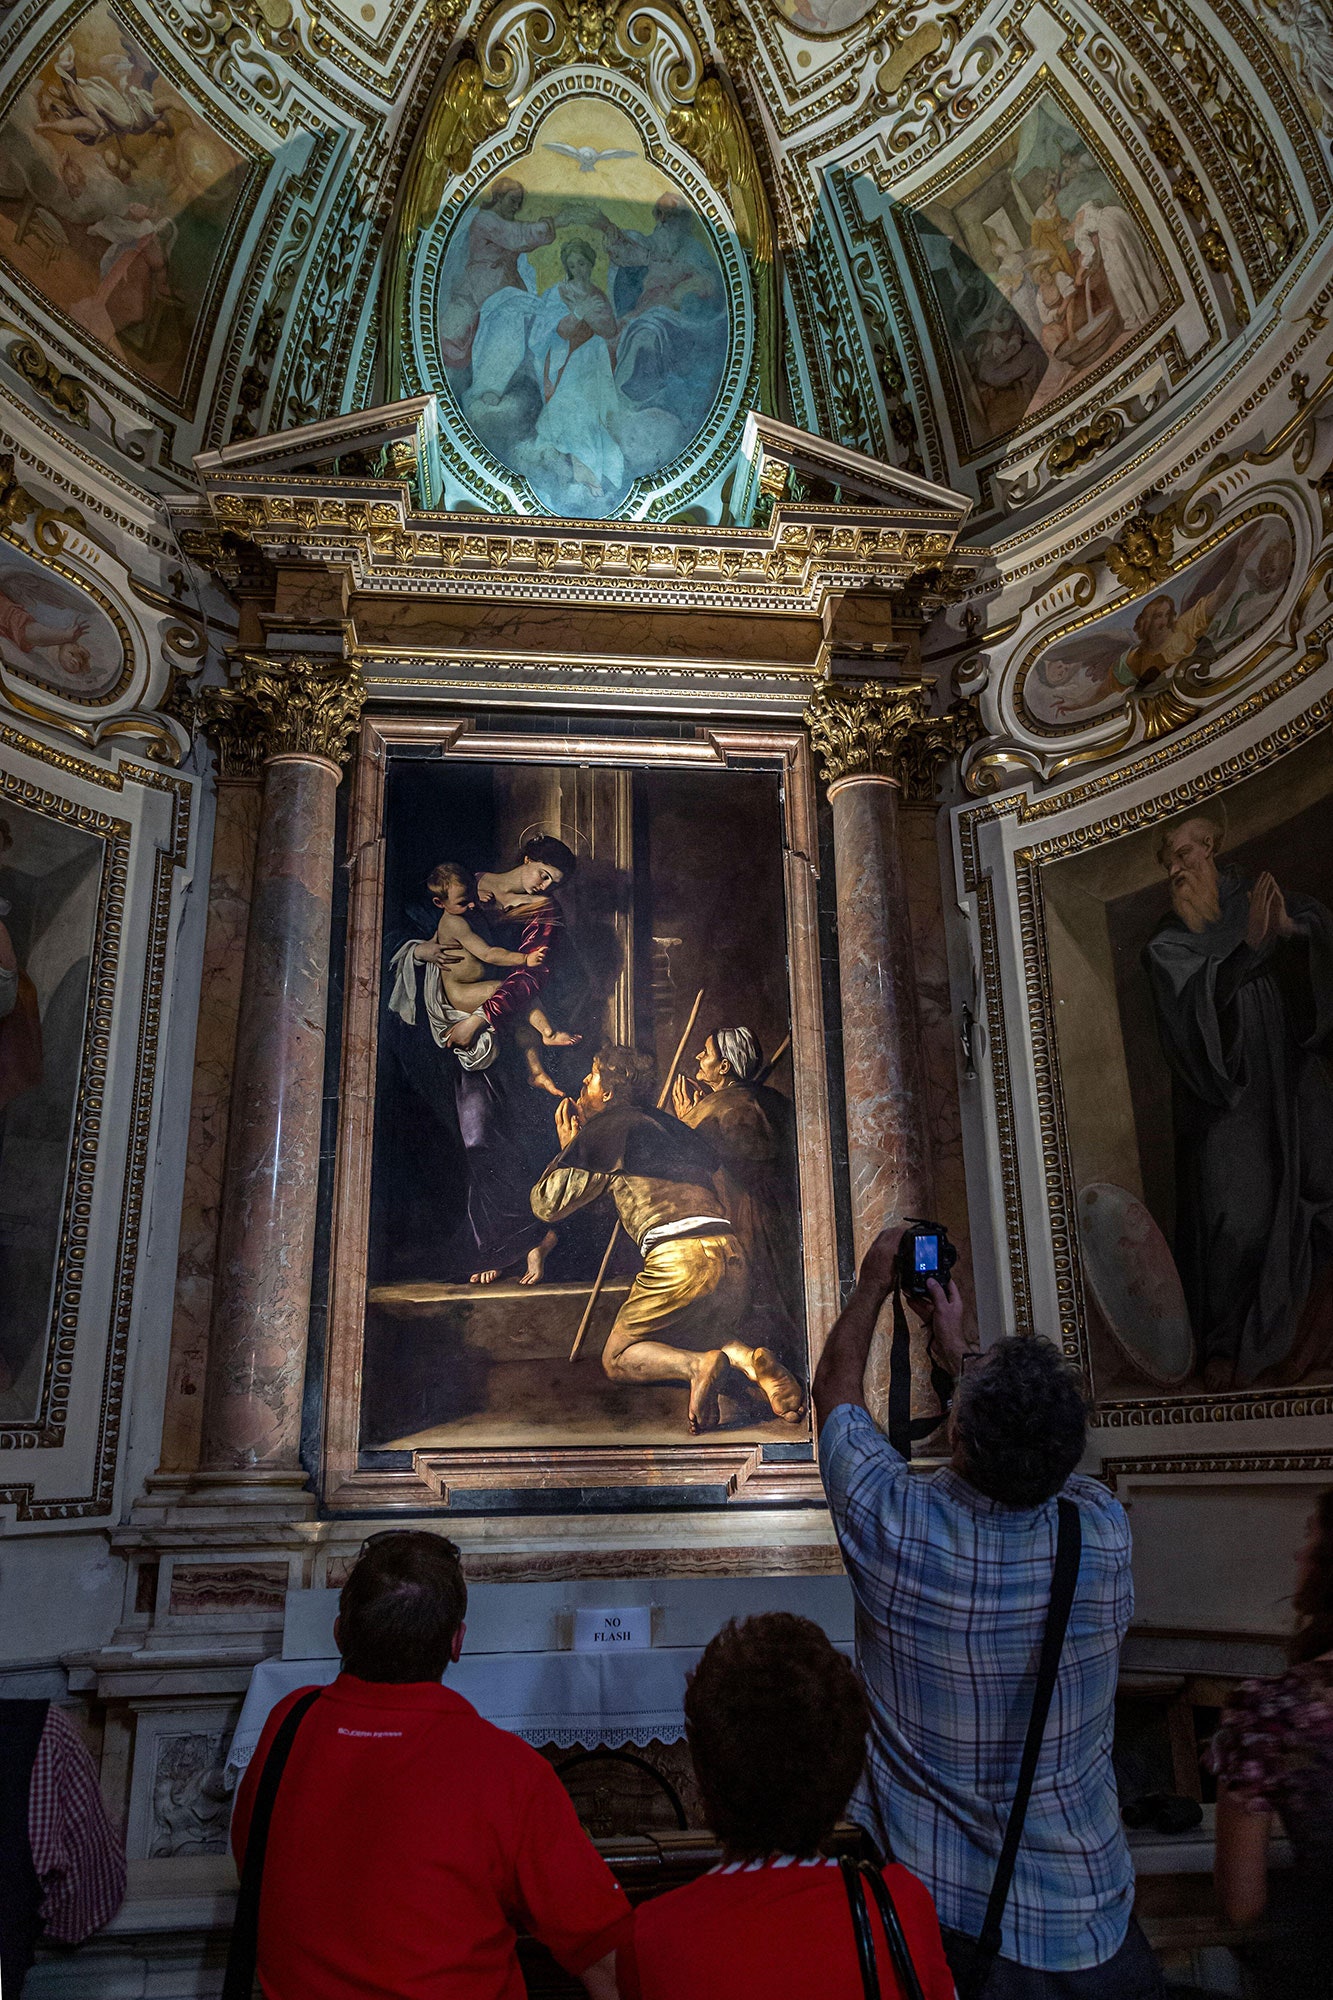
(855,1875)
(243,1950)
(899,1950)
(865,1937)
(1068,1549)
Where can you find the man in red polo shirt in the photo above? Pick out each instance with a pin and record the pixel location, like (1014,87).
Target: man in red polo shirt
(410,1839)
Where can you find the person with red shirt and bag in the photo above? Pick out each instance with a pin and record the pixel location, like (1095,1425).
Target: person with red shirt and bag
(407,1840)
(776,1723)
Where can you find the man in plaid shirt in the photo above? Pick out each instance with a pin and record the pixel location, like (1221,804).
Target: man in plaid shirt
(952,1576)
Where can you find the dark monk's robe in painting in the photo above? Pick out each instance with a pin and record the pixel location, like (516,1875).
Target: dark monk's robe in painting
(1252,1102)
(694,1286)
(749,1127)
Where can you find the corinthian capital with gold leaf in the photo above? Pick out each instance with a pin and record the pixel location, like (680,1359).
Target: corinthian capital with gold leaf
(282,707)
(886,729)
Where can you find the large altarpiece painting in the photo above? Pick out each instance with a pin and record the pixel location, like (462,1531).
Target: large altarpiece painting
(665,906)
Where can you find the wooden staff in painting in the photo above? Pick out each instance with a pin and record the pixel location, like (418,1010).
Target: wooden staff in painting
(662,1096)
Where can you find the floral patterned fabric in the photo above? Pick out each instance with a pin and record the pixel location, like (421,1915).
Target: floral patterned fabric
(1274,1752)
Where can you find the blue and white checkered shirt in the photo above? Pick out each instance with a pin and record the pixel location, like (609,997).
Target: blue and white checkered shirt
(952,1591)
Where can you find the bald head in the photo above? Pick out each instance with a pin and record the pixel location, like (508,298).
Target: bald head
(1187,852)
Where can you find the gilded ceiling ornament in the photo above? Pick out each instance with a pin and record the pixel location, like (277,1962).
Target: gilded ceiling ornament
(886,729)
(713,131)
(278,707)
(65,393)
(1076,448)
(1140,557)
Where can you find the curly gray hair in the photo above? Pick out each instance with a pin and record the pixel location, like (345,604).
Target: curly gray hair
(739,1050)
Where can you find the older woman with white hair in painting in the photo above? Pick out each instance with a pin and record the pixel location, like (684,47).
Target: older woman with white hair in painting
(750,1129)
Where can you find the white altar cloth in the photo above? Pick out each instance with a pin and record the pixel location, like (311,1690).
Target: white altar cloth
(573,1699)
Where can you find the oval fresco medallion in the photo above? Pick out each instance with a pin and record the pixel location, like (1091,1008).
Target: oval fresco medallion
(824,17)
(1204,612)
(581,312)
(55,633)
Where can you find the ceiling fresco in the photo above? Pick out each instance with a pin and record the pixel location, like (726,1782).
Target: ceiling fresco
(995,245)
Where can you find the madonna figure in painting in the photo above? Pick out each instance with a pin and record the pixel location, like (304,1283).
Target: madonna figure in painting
(505,1135)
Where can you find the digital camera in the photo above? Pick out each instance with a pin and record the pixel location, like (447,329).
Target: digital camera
(924,1252)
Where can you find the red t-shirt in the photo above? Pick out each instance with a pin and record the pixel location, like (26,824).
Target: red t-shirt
(777,1930)
(410,1839)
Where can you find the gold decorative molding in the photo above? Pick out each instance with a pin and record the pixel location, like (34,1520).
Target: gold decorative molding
(885,729)
(1077,448)
(281,708)
(67,396)
(1142,554)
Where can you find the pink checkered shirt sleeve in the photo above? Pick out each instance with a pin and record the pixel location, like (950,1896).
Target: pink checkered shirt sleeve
(77,1853)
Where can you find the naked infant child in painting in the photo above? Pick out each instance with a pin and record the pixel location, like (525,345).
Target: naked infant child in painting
(453,892)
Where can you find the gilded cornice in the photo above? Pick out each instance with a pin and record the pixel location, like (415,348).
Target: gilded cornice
(886,729)
(802,557)
(281,707)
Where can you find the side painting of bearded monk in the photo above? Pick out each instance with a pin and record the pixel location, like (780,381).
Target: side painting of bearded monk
(1192,979)
(1242,986)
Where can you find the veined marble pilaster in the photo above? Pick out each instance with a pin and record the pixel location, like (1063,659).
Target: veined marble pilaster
(877,741)
(295,717)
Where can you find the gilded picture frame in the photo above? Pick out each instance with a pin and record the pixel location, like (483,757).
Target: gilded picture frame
(719,1465)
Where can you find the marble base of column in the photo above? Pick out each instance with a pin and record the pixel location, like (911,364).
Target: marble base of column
(888,1145)
(261,1312)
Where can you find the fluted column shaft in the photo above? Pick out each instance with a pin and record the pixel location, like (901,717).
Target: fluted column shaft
(296,718)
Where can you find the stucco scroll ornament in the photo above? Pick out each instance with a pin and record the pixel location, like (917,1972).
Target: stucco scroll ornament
(228,35)
(521,39)
(887,729)
(281,707)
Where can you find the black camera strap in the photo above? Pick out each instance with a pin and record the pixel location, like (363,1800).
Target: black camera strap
(903,1426)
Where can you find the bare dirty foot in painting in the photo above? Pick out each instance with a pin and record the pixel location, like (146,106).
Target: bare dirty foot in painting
(560,1038)
(705,1381)
(784,1393)
(483,1277)
(537,1257)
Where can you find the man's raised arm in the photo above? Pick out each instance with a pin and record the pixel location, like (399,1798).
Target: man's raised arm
(840,1376)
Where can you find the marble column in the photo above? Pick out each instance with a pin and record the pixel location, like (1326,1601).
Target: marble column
(299,715)
(872,740)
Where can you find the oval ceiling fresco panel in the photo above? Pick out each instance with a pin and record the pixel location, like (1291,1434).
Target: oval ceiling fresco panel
(1198,617)
(55,634)
(583,318)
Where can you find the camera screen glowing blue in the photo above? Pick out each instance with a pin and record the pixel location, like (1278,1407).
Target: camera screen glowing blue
(926,1253)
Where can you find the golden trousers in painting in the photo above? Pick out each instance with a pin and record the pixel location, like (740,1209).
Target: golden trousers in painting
(692,1292)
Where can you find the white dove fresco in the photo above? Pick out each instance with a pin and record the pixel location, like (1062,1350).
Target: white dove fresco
(588,157)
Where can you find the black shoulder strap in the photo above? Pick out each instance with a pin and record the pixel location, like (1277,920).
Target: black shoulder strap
(1068,1549)
(899,1949)
(865,1937)
(243,1951)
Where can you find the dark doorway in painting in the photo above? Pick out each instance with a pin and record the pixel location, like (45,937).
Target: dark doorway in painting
(675,887)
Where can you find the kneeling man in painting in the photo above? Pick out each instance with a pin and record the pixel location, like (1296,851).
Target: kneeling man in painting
(681,1319)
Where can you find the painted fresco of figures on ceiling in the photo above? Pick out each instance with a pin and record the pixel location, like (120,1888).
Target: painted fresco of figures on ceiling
(1198,618)
(49,877)
(1192,976)
(1303,33)
(53,633)
(116,197)
(582,313)
(824,17)
(1041,272)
